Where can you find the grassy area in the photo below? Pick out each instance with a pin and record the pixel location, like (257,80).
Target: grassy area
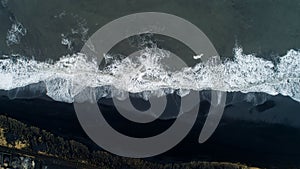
(19,136)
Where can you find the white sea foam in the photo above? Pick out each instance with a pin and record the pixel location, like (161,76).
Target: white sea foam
(146,75)
(80,29)
(4,3)
(15,33)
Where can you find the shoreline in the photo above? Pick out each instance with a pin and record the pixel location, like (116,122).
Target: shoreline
(238,138)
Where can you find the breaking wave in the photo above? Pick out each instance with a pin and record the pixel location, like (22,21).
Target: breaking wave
(145,75)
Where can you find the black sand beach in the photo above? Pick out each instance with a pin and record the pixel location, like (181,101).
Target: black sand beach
(262,135)
(256,129)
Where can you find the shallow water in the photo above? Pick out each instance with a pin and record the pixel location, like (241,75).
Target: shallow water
(266,33)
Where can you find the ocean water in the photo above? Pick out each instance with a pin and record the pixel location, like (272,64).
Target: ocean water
(263,53)
(258,42)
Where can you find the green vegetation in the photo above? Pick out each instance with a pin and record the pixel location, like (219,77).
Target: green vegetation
(14,134)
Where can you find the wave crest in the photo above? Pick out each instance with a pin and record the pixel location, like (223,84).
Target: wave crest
(145,75)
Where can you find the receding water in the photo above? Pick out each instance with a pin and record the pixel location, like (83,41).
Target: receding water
(258,41)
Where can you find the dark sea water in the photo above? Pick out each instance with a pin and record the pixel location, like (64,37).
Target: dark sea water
(258,128)
(264,27)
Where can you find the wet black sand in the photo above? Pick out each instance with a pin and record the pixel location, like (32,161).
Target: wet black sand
(264,141)
(264,135)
